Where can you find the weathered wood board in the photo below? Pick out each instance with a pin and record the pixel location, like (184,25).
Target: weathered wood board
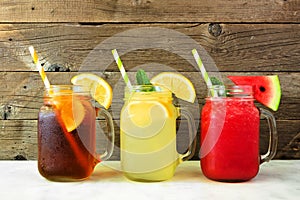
(233,47)
(150,11)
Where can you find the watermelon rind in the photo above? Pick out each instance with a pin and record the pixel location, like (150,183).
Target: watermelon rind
(273,100)
(276,101)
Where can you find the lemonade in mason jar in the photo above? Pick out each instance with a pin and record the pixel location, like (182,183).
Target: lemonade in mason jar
(148,133)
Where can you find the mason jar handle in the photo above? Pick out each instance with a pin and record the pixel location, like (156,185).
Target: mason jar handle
(192,134)
(273,139)
(110,134)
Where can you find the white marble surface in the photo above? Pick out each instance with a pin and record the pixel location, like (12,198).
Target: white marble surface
(277,179)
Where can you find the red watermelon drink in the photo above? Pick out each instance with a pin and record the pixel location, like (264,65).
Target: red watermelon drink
(230,134)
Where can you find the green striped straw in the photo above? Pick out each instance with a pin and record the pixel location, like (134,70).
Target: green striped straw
(203,71)
(121,67)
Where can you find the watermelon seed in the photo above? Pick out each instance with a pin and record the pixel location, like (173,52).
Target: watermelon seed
(262,89)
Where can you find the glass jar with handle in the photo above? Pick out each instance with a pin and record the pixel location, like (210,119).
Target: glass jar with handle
(148,134)
(67,134)
(230,124)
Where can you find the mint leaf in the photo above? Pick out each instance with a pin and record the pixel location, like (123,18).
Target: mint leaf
(142,78)
(215,81)
(220,92)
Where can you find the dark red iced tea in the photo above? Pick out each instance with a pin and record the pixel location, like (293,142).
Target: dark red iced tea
(66,155)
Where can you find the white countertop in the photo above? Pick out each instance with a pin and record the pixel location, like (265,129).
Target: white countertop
(277,179)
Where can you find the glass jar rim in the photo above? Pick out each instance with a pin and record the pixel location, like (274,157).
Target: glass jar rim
(223,91)
(146,88)
(58,90)
(146,91)
(231,86)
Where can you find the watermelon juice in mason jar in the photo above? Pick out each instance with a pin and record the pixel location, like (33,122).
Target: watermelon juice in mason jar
(230,134)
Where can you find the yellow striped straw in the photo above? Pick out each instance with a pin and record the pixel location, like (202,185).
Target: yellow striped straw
(203,71)
(39,66)
(121,67)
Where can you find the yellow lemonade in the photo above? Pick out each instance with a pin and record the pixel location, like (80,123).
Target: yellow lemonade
(148,134)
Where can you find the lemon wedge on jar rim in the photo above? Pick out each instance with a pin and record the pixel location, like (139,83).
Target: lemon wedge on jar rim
(178,84)
(100,90)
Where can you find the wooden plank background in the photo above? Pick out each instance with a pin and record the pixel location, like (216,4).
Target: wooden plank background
(136,11)
(242,37)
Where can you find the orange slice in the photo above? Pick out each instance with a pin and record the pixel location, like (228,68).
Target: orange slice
(99,88)
(70,110)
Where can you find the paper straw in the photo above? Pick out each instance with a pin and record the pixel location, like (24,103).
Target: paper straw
(203,71)
(121,67)
(39,66)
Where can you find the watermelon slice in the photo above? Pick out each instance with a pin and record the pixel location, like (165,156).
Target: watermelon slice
(266,88)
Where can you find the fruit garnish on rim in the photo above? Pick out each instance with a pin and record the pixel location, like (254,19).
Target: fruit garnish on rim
(178,84)
(266,89)
(100,90)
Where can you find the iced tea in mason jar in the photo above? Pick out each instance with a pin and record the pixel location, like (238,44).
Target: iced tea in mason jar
(67,134)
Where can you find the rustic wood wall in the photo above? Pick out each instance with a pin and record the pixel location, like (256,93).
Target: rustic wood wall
(242,37)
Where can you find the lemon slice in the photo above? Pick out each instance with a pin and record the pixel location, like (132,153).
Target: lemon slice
(142,114)
(100,89)
(144,120)
(177,84)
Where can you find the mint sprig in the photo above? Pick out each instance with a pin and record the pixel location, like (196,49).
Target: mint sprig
(216,81)
(220,92)
(142,79)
